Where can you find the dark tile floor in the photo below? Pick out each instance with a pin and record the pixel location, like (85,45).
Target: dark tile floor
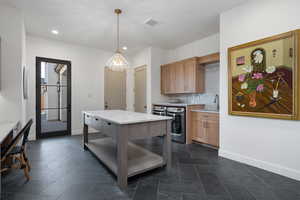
(61,170)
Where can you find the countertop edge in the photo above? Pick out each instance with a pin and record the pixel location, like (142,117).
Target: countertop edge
(206,111)
(163,118)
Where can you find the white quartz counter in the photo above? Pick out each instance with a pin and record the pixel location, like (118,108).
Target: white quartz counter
(206,111)
(175,104)
(125,117)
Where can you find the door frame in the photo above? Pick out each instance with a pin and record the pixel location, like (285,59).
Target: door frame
(38,62)
(136,69)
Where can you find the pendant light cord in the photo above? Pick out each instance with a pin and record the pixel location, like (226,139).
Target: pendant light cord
(118,33)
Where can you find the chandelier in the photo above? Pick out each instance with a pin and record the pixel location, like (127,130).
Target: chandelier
(118,62)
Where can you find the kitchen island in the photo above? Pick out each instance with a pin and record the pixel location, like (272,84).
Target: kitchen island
(122,157)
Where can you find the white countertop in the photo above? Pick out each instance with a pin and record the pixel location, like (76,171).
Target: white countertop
(5,128)
(206,111)
(175,104)
(125,117)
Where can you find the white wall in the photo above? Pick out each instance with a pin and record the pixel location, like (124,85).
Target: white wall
(267,143)
(152,57)
(87,75)
(158,57)
(12,51)
(201,47)
(138,59)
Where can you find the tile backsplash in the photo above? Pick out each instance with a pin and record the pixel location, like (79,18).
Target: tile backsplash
(211,101)
(197,98)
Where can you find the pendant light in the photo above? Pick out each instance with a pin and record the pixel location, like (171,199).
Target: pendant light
(117,62)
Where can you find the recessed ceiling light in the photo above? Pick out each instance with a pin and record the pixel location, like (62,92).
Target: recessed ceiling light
(55,32)
(124,48)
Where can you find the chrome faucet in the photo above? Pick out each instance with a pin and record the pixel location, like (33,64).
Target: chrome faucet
(216,101)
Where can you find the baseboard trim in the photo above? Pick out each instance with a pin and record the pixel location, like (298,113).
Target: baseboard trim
(278,169)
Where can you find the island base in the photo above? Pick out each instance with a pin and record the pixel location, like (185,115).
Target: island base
(139,159)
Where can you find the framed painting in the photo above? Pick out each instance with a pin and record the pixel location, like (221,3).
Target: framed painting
(263,77)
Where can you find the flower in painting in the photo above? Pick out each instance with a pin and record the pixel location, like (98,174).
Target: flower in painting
(244,86)
(257,76)
(260,88)
(270,69)
(248,69)
(242,77)
(258,56)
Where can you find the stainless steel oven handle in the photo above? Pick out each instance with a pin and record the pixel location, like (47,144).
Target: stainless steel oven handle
(175,134)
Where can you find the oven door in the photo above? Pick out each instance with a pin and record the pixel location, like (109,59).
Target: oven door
(177,126)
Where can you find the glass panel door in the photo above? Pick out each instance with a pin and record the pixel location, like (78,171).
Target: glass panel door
(54,108)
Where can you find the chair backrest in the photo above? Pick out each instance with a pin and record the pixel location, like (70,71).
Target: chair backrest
(26,132)
(14,142)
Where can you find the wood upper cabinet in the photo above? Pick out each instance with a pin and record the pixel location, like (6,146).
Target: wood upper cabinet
(190,68)
(185,76)
(179,77)
(173,79)
(165,79)
(205,128)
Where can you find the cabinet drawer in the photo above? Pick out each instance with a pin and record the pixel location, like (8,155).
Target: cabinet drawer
(109,129)
(88,120)
(204,115)
(96,123)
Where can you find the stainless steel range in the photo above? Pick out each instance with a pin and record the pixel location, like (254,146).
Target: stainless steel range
(178,114)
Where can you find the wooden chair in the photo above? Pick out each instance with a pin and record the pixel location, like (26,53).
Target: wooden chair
(18,152)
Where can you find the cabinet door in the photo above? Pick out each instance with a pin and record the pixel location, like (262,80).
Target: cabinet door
(163,76)
(172,81)
(165,79)
(198,128)
(200,79)
(212,130)
(179,76)
(189,76)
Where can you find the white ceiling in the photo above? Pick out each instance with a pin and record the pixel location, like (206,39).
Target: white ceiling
(93,23)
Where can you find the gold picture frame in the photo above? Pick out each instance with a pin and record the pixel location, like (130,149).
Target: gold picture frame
(264,77)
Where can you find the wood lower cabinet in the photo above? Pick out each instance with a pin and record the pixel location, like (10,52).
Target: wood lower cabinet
(205,127)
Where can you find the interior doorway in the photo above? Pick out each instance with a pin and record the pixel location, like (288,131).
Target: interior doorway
(140,89)
(115,90)
(53,97)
